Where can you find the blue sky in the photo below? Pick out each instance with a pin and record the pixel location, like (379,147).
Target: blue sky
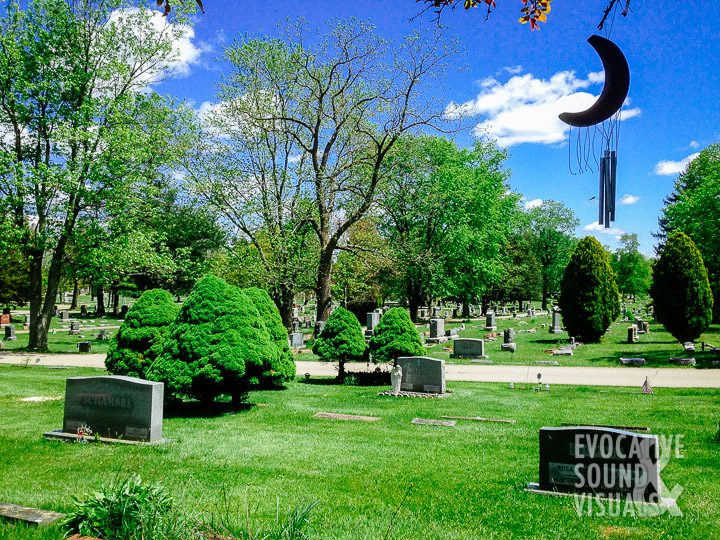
(514,82)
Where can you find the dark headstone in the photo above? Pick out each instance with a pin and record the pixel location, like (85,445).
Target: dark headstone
(10,333)
(84,346)
(468,348)
(74,327)
(683,361)
(84,310)
(600,461)
(422,374)
(115,406)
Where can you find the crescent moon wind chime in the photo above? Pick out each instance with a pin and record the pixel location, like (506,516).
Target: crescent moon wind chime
(607,107)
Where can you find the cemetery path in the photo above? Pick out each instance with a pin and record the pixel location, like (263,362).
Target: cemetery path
(584,376)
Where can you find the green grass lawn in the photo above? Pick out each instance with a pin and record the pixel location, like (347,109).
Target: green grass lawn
(415,481)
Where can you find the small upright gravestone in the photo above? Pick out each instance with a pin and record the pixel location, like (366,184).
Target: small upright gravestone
(632,333)
(64,315)
(437,331)
(26,322)
(114,406)
(103,335)
(84,310)
(468,348)
(10,333)
(373,319)
(556,327)
(509,335)
(490,323)
(297,340)
(604,462)
(84,346)
(74,328)
(422,374)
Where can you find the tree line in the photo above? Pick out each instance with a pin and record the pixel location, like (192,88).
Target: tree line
(313,173)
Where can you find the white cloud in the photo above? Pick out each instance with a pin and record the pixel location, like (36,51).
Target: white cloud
(596,228)
(513,70)
(529,205)
(629,199)
(671,168)
(694,144)
(186,52)
(525,109)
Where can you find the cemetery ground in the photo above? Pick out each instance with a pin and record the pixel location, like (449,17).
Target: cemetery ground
(384,479)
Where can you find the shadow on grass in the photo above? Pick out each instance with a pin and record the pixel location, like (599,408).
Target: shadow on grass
(196,409)
(325,381)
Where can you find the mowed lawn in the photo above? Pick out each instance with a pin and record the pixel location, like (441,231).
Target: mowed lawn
(386,479)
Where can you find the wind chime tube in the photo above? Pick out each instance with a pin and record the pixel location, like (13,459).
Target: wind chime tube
(608,188)
(601,193)
(613,183)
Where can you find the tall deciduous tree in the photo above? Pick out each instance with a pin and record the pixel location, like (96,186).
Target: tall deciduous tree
(694,208)
(340,99)
(448,216)
(632,268)
(79,128)
(552,227)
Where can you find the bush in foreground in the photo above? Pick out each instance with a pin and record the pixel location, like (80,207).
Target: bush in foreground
(131,509)
(589,297)
(218,344)
(341,340)
(395,336)
(131,352)
(680,290)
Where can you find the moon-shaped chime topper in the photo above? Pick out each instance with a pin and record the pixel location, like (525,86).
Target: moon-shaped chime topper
(607,107)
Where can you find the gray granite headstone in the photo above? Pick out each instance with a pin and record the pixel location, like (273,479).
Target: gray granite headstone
(437,328)
(599,461)
(84,310)
(64,315)
(422,374)
(297,340)
(114,406)
(74,327)
(509,335)
(490,323)
(556,326)
(468,348)
(372,320)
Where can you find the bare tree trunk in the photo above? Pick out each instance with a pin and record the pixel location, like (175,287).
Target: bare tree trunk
(284,301)
(100,309)
(41,305)
(75,294)
(323,291)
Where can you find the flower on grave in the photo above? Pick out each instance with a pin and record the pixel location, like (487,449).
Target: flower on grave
(82,432)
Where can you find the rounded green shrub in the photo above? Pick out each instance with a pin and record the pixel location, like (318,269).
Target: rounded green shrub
(589,297)
(341,340)
(395,336)
(680,290)
(218,344)
(133,349)
(284,370)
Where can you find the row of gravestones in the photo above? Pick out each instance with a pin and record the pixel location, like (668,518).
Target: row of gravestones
(578,459)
